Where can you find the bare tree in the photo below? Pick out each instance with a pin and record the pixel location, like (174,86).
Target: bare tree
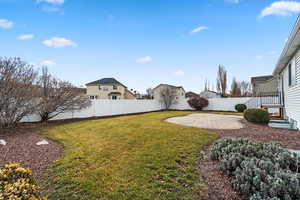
(17,91)
(222,80)
(167,96)
(206,85)
(235,88)
(149,93)
(245,88)
(57,96)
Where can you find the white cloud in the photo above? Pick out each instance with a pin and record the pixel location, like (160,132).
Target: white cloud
(51,5)
(25,37)
(282,8)
(56,2)
(286,39)
(50,9)
(232,1)
(198,29)
(4,23)
(47,63)
(259,57)
(179,73)
(59,42)
(272,53)
(144,59)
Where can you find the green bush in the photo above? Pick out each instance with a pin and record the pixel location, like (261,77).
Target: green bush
(240,107)
(260,171)
(257,115)
(17,183)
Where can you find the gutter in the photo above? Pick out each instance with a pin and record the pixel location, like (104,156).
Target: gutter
(295,31)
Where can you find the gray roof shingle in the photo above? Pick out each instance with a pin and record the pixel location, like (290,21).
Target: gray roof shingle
(105,81)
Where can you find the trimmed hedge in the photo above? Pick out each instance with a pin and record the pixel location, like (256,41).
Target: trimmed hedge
(260,171)
(240,107)
(17,183)
(257,115)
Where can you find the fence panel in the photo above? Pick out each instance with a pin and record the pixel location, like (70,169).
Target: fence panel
(118,107)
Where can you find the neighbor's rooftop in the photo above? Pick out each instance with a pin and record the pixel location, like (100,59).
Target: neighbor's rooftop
(105,81)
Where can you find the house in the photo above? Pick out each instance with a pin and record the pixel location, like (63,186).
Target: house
(208,94)
(285,81)
(264,85)
(287,72)
(108,88)
(179,91)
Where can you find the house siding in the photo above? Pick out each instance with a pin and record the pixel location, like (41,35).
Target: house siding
(93,90)
(268,86)
(157,90)
(292,93)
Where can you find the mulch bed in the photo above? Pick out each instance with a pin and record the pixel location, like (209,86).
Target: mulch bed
(219,185)
(21,148)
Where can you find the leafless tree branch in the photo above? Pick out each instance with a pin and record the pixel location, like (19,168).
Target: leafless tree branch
(168,96)
(18,92)
(57,96)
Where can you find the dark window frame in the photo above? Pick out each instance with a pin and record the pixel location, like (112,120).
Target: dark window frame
(290,74)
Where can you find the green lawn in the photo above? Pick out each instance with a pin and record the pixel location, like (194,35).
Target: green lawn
(131,157)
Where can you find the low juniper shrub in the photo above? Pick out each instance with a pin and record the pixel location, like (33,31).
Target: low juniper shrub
(260,171)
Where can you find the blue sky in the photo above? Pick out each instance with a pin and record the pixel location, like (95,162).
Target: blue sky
(146,42)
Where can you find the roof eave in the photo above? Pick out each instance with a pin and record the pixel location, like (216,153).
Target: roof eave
(290,48)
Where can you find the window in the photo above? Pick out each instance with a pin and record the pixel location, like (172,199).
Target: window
(104,88)
(292,74)
(114,97)
(115,87)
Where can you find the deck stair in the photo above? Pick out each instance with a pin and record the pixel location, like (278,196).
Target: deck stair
(281,124)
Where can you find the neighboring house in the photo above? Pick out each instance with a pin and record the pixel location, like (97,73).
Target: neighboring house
(108,88)
(80,90)
(264,85)
(208,94)
(180,92)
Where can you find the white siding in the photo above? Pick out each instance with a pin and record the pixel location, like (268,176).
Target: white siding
(292,93)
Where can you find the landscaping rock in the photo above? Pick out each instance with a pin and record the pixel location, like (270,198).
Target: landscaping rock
(43,142)
(294,151)
(3,142)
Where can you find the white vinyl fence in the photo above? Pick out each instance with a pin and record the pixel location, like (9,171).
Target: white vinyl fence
(101,108)
(216,104)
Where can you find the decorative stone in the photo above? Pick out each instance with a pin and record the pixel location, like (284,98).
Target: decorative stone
(43,142)
(295,151)
(2,142)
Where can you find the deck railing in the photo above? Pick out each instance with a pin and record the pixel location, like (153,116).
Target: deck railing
(266,99)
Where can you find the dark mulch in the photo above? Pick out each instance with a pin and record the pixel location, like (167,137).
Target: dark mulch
(219,185)
(21,148)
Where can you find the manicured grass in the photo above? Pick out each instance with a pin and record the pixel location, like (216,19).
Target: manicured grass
(132,157)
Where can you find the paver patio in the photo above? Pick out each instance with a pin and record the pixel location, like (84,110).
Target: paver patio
(209,121)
